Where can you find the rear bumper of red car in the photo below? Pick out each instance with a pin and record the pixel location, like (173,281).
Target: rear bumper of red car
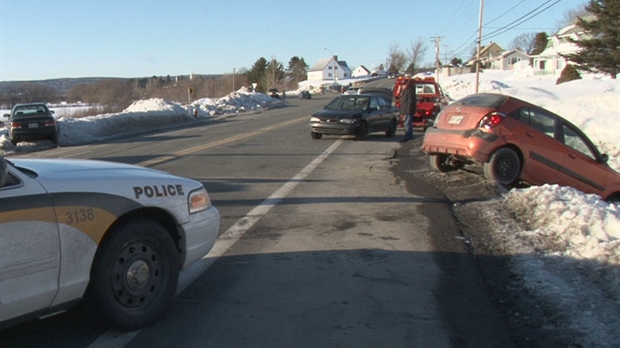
(473,144)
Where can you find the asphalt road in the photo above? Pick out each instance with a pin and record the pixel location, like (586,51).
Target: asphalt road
(326,243)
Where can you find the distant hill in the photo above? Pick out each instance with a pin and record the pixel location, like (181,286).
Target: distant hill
(60,85)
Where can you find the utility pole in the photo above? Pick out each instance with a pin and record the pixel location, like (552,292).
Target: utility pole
(437,40)
(479,43)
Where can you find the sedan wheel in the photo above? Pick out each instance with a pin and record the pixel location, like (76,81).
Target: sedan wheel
(503,167)
(134,275)
(442,164)
(316,135)
(362,132)
(392,130)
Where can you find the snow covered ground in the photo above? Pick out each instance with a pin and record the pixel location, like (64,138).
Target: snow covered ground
(548,221)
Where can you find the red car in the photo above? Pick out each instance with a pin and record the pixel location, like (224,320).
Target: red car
(518,141)
(430,99)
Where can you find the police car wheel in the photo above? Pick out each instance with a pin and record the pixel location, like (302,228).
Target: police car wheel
(134,275)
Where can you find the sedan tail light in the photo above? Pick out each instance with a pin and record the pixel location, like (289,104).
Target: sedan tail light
(50,123)
(17,125)
(491,120)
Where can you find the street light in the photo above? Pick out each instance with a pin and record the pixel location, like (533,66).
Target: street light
(333,65)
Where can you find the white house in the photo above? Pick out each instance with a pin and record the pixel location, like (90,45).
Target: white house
(329,69)
(550,61)
(509,59)
(360,71)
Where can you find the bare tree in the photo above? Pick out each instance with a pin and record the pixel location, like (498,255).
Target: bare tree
(38,92)
(397,60)
(524,42)
(416,51)
(571,15)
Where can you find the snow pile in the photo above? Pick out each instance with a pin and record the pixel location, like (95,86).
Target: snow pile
(141,116)
(241,101)
(581,226)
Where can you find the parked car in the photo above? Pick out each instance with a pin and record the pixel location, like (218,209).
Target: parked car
(274,93)
(357,115)
(518,141)
(352,90)
(31,122)
(430,99)
(305,95)
(114,235)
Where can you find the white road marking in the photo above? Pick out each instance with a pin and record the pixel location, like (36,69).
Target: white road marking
(116,339)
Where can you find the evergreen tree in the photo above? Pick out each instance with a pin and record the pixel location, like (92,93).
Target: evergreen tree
(274,73)
(297,69)
(540,43)
(569,73)
(600,50)
(257,72)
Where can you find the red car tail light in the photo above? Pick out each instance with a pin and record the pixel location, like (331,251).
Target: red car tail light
(491,120)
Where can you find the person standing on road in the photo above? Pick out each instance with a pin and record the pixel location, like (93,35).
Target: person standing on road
(408,108)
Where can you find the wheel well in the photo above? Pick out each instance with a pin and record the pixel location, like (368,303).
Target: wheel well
(517,150)
(160,216)
(613,198)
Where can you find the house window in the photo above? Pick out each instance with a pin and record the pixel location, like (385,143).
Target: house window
(513,60)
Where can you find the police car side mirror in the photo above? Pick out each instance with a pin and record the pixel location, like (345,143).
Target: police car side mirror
(7,115)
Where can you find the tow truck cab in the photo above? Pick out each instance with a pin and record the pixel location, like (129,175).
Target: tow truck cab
(430,99)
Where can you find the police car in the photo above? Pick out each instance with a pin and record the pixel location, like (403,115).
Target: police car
(111,236)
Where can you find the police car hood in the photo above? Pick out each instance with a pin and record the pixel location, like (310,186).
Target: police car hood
(51,171)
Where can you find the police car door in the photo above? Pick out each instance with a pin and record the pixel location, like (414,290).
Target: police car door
(29,247)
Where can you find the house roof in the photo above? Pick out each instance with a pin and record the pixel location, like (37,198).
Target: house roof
(491,46)
(321,64)
(514,52)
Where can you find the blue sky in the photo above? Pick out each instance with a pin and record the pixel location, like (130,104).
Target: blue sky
(42,39)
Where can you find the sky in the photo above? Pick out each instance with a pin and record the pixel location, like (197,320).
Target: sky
(41,39)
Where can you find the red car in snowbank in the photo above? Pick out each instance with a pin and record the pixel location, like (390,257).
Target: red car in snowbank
(518,141)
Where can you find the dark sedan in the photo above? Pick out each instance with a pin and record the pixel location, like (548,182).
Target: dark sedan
(33,121)
(356,115)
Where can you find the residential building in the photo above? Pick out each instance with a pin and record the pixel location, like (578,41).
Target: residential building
(360,71)
(550,60)
(329,69)
(509,59)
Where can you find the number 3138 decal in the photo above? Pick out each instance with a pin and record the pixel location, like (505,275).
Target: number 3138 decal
(79,215)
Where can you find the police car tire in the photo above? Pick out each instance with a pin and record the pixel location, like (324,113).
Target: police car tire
(119,301)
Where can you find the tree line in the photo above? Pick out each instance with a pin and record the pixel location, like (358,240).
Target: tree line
(116,94)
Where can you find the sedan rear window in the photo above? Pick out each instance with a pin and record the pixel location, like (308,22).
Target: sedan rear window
(31,110)
(493,101)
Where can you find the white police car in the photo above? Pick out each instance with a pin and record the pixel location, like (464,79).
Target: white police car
(114,235)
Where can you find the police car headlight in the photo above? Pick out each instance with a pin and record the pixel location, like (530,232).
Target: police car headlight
(198,200)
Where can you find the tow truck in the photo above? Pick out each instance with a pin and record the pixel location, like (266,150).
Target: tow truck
(430,99)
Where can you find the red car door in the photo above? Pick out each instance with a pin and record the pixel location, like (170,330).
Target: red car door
(581,168)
